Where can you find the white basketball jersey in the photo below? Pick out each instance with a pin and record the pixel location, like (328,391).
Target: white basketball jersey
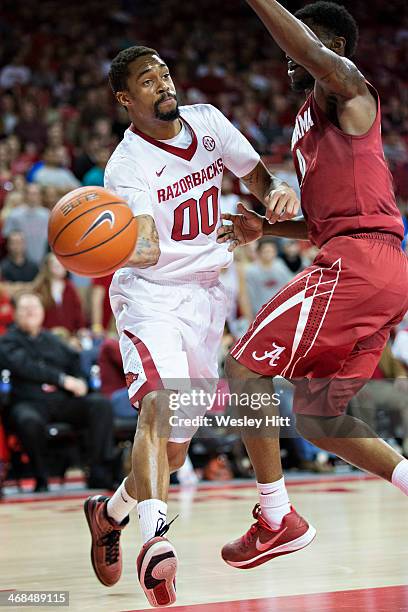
(180,186)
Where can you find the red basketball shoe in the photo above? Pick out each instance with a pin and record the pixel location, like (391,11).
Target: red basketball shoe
(156,569)
(261,543)
(106,554)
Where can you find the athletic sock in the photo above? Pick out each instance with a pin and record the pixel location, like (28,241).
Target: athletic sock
(120,504)
(399,476)
(152,514)
(274,501)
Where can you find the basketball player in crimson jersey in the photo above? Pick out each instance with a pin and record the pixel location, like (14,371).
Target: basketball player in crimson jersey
(327,328)
(168,302)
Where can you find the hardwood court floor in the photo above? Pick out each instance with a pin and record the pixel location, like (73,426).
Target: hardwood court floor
(359,560)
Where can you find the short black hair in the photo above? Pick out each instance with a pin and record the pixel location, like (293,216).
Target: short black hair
(336,19)
(119,69)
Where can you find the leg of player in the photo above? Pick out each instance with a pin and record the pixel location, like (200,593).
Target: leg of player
(107,517)
(355,442)
(157,560)
(278,529)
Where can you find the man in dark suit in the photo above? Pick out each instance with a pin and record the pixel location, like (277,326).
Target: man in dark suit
(48,385)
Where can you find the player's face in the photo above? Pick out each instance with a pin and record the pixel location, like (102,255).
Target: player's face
(151,92)
(300,79)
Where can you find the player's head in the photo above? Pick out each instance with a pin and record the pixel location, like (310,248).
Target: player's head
(142,83)
(334,26)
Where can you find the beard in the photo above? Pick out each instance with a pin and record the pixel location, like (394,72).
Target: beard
(303,83)
(169,115)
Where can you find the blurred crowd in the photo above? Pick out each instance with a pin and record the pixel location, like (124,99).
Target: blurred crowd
(59,124)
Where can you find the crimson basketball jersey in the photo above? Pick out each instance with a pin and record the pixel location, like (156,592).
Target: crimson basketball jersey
(345,182)
(180,187)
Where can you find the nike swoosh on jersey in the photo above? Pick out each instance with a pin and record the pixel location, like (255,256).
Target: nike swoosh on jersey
(159,173)
(125,500)
(106,215)
(266,545)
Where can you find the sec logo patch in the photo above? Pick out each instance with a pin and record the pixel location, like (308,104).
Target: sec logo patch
(209,143)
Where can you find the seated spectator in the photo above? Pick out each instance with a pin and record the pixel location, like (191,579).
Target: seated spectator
(52,172)
(50,196)
(32,220)
(388,389)
(16,267)
(62,304)
(95,175)
(6,310)
(267,275)
(48,386)
(291,255)
(113,379)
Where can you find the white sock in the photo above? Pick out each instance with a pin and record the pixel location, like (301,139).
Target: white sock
(120,504)
(152,514)
(274,501)
(399,476)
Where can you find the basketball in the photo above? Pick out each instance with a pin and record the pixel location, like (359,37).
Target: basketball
(92,231)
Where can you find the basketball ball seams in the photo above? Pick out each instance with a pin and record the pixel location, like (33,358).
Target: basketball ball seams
(80,238)
(60,255)
(104,271)
(85,212)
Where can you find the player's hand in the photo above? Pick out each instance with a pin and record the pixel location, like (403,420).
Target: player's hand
(245,227)
(281,204)
(76,386)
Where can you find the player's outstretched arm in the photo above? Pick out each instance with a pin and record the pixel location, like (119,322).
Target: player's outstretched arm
(147,249)
(334,73)
(280,200)
(247,226)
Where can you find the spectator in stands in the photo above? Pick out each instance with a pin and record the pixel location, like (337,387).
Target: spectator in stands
(6,310)
(101,312)
(16,267)
(267,275)
(86,159)
(291,255)
(60,299)
(113,379)
(32,220)
(47,386)
(50,196)
(400,345)
(15,73)
(95,175)
(30,126)
(229,199)
(388,390)
(53,173)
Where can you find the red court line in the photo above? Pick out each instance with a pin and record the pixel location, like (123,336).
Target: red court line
(176,489)
(379,599)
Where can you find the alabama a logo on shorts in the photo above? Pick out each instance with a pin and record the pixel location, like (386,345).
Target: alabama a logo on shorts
(273,356)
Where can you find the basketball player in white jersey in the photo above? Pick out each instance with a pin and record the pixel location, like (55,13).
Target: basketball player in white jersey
(168,302)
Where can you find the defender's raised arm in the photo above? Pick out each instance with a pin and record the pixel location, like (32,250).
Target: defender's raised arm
(323,59)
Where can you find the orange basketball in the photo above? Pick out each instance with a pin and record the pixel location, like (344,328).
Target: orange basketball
(92,232)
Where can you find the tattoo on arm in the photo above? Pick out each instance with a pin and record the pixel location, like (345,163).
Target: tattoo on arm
(260,182)
(343,78)
(147,250)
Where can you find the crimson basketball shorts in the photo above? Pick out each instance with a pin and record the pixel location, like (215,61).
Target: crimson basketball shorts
(326,329)
(169,334)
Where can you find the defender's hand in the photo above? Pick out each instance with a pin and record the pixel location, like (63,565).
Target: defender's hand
(246,227)
(281,204)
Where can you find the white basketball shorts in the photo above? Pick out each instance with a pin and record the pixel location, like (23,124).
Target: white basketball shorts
(169,333)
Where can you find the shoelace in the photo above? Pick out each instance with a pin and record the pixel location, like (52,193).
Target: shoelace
(162,527)
(111,542)
(249,536)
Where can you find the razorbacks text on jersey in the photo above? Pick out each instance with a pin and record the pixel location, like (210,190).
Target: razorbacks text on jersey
(180,186)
